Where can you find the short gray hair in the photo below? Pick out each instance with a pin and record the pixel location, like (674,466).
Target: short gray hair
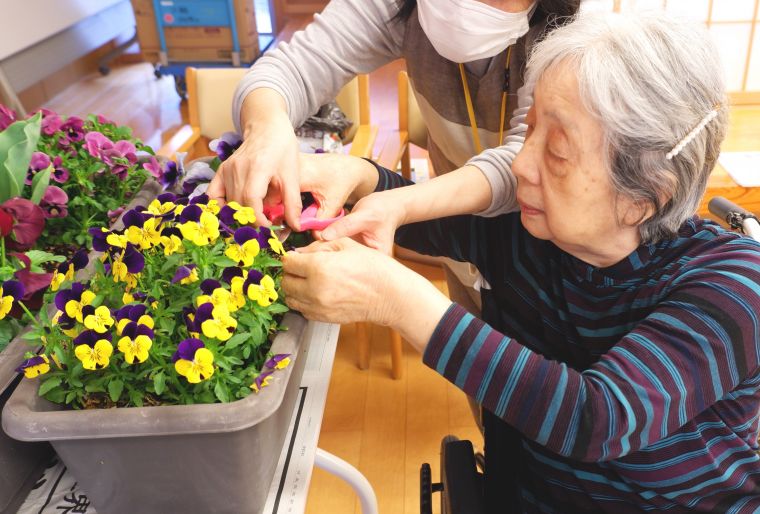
(650,80)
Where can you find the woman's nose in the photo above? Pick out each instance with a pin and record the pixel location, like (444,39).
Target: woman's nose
(524,165)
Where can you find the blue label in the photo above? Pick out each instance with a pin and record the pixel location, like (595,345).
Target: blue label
(194,13)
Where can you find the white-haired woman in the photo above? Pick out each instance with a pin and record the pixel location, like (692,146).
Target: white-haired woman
(618,359)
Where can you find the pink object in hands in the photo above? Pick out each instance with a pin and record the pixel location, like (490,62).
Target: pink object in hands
(275,213)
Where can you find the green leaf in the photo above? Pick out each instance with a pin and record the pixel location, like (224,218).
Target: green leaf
(277,308)
(115,387)
(136,398)
(223,261)
(237,340)
(221,392)
(49,384)
(40,183)
(17,143)
(159,382)
(38,257)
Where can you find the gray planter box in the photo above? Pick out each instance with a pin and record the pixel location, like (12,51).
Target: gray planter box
(21,463)
(186,458)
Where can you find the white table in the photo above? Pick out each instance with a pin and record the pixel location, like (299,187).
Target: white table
(290,485)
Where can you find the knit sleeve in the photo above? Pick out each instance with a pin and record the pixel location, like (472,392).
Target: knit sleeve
(699,345)
(348,38)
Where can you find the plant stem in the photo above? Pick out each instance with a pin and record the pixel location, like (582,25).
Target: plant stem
(29,313)
(2,245)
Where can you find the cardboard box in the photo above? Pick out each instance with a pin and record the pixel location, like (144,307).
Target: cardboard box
(200,43)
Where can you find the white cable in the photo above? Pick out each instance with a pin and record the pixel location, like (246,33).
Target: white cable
(691,135)
(350,474)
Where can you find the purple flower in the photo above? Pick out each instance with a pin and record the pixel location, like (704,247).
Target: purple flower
(199,172)
(115,213)
(117,156)
(103,120)
(187,348)
(39,161)
(261,380)
(171,173)
(7,116)
(226,215)
(183,272)
(225,145)
(209,285)
(73,129)
(244,234)
(229,273)
(277,360)
(263,236)
(90,337)
(13,288)
(188,315)
(60,174)
(190,213)
(153,167)
(99,243)
(33,361)
(63,296)
(133,218)
(134,260)
(95,143)
(205,312)
(54,202)
(133,329)
(29,221)
(51,122)
(132,312)
(78,261)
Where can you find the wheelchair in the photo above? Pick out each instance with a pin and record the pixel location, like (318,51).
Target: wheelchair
(461,485)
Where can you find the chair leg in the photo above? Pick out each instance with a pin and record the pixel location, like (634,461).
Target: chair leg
(362,345)
(397,355)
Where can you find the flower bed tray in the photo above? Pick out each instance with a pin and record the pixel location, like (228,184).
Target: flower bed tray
(181,458)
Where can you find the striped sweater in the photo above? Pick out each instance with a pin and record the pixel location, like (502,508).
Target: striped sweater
(630,388)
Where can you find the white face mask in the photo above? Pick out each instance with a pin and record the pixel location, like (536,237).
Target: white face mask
(468,30)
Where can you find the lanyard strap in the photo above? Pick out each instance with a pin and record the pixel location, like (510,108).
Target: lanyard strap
(471,109)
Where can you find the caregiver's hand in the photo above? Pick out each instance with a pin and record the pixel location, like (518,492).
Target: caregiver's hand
(343,282)
(265,167)
(373,221)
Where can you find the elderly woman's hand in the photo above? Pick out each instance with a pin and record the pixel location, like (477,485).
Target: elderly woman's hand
(343,282)
(373,221)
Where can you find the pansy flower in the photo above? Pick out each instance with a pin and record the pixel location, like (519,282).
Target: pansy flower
(171,241)
(147,236)
(263,293)
(65,270)
(278,361)
(261,381)
(193,360)
(127,265)
(71,301)
(186,274)
(215,321)
(227,143)
(94,350)
(243,215)
(10,291)
(133,313)
(7,116)
(59,174)
(54,201)
(202,232)
(100,320)
(246,247)
(135,342)
(39,161)
(34,366)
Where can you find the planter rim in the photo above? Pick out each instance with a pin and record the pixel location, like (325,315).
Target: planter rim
(29,417)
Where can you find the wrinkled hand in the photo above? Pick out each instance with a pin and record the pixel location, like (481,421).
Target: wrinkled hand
(373,221)
(264,169)
(343,282)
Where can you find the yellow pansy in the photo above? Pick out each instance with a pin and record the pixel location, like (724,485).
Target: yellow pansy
(243,254)
(172,244)
(158,209)
(146,237)
(276,245)
(264,293)
(200,368)
(219,326)
(117,240)
(203,232)
(100,321)
(94,357)
(243,215)
(74,307)
(136,348)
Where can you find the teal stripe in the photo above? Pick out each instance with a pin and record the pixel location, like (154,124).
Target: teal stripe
(490,370)
(452,342)
(514,375)
(472,352)
(625,445)
(551,415)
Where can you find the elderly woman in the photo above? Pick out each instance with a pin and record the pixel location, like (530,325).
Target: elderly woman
(618,355)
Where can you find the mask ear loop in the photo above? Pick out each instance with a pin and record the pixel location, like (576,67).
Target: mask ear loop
(688,138)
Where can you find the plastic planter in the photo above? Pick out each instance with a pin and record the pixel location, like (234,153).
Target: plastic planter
(181,458)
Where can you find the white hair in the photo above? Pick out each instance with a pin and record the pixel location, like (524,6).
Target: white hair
(656,86)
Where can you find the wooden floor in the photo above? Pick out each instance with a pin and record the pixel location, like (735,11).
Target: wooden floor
(385,427)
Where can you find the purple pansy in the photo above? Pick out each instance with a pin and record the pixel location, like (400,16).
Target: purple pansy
(190,213)
(263,235)
(54,202)
(13,288)
(133,259)
(99,243)
(183,272)
(209,285)
(276,359)
(39,161)
(226,145)
(229,273)
(134,329)
(187,348)
(51,122)
(59,174)
(63,296)
(32,361)
(260,380)
(244,234)
(153,167)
